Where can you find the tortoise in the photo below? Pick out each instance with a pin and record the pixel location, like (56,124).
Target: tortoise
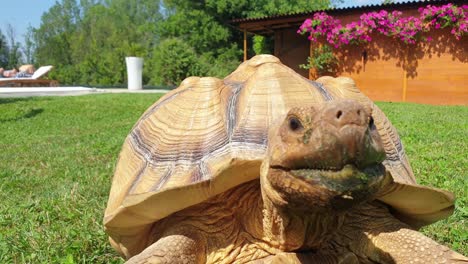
(266,166)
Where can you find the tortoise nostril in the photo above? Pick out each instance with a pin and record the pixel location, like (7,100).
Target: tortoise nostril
(339,114)
(359,112)
(371,122)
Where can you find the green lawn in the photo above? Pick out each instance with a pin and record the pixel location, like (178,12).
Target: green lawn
(57,156)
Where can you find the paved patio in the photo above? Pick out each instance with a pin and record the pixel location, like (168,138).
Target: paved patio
(6,92)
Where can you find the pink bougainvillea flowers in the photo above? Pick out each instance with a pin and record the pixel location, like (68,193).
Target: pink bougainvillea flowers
(407,29)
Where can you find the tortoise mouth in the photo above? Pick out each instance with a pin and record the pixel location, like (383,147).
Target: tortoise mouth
(345,186)
(347,178)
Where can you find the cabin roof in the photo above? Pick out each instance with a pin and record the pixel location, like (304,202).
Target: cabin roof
(268,24)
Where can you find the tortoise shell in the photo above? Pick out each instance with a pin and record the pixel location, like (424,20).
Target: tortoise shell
(210,135)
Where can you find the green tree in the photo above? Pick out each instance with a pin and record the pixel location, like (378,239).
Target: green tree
(14,52)
(4,50)
(29,46)
(88,41)
(53,39)
(204,25)
(108,33)
(174,60)
(253,8)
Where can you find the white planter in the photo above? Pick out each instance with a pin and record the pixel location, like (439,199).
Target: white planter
(134,72)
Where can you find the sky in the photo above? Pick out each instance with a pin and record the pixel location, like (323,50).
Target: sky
(25,13)
(21,14)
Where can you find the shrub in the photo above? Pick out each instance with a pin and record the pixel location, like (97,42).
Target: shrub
(173,61)
(224,63)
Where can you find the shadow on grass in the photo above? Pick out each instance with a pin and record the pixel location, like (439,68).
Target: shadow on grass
(30,114)
(14,100)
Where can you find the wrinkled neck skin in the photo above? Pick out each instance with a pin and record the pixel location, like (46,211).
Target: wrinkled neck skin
(290,228)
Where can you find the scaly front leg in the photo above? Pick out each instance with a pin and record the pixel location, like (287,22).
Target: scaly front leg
(186,249)
(301,258)
(408,246)
(374,234)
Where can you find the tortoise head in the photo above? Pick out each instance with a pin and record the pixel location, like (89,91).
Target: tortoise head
(326,156)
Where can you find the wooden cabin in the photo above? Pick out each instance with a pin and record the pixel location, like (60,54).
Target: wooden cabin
(385,69)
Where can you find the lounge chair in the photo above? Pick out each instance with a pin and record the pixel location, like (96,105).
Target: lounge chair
(34,80)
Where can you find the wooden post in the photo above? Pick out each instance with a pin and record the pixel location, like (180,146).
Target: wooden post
(405,85)
(245,44)
(405,73)
(310,55)
(313,74)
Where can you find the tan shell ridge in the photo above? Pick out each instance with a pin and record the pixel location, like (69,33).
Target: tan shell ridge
(209,135)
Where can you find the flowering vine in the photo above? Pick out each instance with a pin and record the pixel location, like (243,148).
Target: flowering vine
(392,24)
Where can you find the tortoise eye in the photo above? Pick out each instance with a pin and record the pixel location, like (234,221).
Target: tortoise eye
(294,123)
